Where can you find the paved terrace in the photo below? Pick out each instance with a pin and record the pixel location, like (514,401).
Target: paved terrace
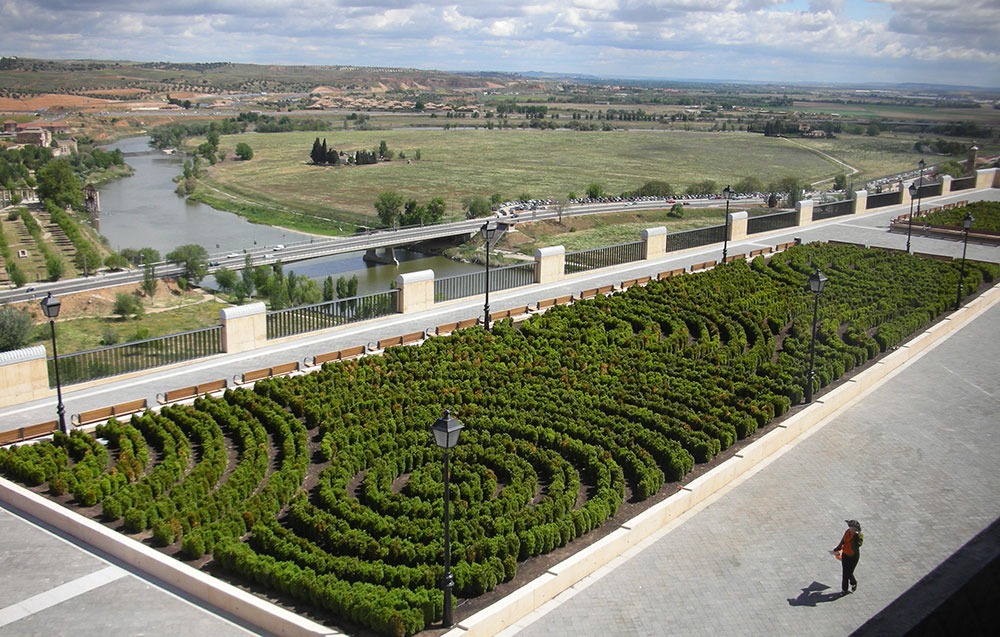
(913,460)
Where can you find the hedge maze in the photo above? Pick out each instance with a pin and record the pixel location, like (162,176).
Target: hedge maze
(327,488)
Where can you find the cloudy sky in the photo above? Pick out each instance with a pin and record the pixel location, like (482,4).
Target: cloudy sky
(848,41)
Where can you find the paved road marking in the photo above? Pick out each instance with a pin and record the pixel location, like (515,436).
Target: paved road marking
(60,594)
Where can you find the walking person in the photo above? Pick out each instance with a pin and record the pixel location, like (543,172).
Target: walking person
(849,552)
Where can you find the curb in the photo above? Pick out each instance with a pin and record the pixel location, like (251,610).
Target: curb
(569,572)
(211,590)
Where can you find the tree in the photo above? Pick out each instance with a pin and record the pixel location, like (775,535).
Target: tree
(205,150)
(477,206)
(496,198)
(54,267)
(704,187)
(792,188)
(676,210)
(212,138)
(244,152)
(316,154)
(328,289)
(226,279)
(149,280)
(15,328)
(352,286)
(595,191)
(127,305)
(58,184)
(656,189)
(148,255)
(388,206)
(193,258)
(341,288)
(840,182)
(114,261)
(434,210)
(749,184)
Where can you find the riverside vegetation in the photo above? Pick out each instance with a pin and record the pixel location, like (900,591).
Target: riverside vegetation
(331,491)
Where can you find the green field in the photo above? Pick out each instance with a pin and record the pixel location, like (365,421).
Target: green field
(458,163)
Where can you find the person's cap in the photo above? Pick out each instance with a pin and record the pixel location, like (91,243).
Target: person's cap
(853,524)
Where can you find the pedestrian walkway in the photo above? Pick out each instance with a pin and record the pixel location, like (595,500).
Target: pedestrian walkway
(51,585)
(914,461)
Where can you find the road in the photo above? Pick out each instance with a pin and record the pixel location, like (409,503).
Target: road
(325,247)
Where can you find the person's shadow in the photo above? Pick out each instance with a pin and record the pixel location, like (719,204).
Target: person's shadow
(813,594)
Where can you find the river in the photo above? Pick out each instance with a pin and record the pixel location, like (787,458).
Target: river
(142,211)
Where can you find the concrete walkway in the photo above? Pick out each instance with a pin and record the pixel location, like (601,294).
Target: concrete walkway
(914,461)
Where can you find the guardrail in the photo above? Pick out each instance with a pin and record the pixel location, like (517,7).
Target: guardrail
(92,364)
(882,199)
(608,256)
(831,210)
(502,278)
(930,190)
(309,318)
(695,238)
(769,222)
(963,183)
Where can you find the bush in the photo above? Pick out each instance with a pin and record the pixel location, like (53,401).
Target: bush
(15,328)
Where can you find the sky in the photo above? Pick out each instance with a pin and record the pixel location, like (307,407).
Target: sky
(954,42)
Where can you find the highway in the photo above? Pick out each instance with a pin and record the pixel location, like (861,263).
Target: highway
(325,247)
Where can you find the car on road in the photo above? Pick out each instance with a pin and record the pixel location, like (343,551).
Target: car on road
(232,255)
(278,247)
(213,263)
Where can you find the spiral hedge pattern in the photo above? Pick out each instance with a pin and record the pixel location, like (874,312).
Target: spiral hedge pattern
(333,494)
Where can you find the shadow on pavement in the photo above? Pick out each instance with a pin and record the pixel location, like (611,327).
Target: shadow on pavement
(813,594)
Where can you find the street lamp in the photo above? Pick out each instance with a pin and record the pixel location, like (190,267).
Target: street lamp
(446,430)
(50,307)
(491,231)
(727,193)
(816,282)
(922,164)
(914,191)
(966,226)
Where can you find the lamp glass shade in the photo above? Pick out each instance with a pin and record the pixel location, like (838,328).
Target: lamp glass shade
(50,306)
(922,164)
(913,189)
(727,192)
(816,281)
(967,221)
(446,430)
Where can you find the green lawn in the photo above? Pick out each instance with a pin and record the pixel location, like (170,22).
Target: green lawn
(458,163)
(87,333)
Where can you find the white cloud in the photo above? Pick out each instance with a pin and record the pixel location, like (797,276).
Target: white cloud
(716,38)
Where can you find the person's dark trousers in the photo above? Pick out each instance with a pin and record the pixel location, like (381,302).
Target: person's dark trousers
(849,563)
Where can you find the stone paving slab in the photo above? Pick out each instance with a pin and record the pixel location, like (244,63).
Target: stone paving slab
(48,587)
(914,461)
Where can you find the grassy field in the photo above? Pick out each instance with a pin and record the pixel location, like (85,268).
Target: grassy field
(458,163)
(986,114)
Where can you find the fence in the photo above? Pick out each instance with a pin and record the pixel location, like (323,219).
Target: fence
(694,238)
(964,183)
(883,199)
(930,190)
(79,367)
(502,278)
(773,221)
(309,318)
(584,260)
(835,209)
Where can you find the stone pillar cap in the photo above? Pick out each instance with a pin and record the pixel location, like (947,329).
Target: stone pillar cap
(550,251)
(405,278)
(34,352)
(239,311)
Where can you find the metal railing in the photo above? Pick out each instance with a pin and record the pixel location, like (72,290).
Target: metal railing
(882,199)
(694,238)
(835,209)
(963,184)
(309,318)
(929,190)
(773,221)
(584,260)
(503,278)
(79,367)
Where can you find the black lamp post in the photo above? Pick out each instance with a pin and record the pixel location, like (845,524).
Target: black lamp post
(446,430)
(491,231)
(966,226)
(816,282)
(914,191)
(920,185)
(50,307)
(727,193)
